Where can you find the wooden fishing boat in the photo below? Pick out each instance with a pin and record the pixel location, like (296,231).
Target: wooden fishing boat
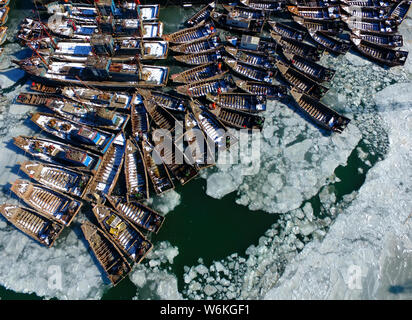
(164,100)
(316,13)
(137,183)
(130,48)
(399,11)
(287,31)
(32,223)
(251,72)
(249,57)
(233,21)
(262,89)
(123,233)
(300,81)
(201,31)
(313,3)
(245,102)
(268,5)
(3,35)
(40,87)
(73,133)
(4,15)
(137,213)
(108,172)
(58,153)
(215,131)
(208,71)
(367,3)
(385,39)
(247,12)
(60,178)
(383,55)
(238,119)
(201,15)
(140,121)
(327,26)
(331,44)
(320,113)
(51,203)
(251,43)
(176,161)
(208,56)
(87,115)
(371,25)
(109,256)
(365,12)
(161,117)
(98,98)
(98,72)
(297,47)
(156,169)
(311,69)
(198,46)
(201,88)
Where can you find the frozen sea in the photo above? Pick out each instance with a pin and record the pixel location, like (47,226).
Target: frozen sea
(315,216)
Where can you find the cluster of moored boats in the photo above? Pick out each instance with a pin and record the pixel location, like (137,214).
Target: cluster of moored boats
(4,15)
(93,70)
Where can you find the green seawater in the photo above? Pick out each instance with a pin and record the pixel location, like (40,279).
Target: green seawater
(203,227)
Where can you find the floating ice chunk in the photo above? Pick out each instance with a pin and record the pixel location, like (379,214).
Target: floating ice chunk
(166,202)
(220,184)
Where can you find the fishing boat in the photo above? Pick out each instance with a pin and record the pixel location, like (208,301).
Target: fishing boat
(287,31)
(365,12)
(73,133)
(123,233)
(32,223)
(197,150)
(297,47)
(400,10)
(383,55)
(320,113)
(314,3)
(262,89)
(251,72)
(300,81)
(51,203)
(251,58)
(4,15)
(3,35)
(164,100)
(156,169)
(238,119)
(137,183)
(161,117)
(331,44)
(137,213)
(98,72)
(4,3)
(251,43)
(98,98)
(235,21)
(211,55)
(201,15)
(87,115)
(60,178)
(327,26)
(199,32)
(58,153)
(213,128)
(143,49)
(42,88)
(208,71)
(176,161)
(246,12)
(108,172)
(201,88)
(140,120)
(198,46)
(385,39)
(371,25)
(311,69)
(367,3)
(322,13)
(267,5)
(109,256)
(239,101)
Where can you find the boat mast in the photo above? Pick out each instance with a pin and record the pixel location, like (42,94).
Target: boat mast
(38,54)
